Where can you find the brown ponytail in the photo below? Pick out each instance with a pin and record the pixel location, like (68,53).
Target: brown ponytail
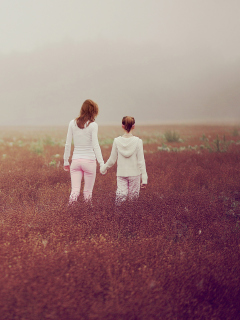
(88,112)
(128,122)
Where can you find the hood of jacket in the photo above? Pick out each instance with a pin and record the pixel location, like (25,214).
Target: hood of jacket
(127,146)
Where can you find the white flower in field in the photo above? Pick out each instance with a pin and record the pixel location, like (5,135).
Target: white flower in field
(164,148)
(4,156)
(56,155)
(10,144)
(44,242)
(200,231)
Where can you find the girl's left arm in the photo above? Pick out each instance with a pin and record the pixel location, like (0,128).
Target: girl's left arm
(68,145)
(95,145)
(141,162)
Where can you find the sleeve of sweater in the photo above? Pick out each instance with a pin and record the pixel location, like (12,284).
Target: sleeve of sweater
(141,162)
(95,145)
(112,159)
(68,145)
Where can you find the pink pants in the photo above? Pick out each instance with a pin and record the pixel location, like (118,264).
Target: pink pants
(78,169)
(127,186)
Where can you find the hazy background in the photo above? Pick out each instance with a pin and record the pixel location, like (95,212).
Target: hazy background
(159,61)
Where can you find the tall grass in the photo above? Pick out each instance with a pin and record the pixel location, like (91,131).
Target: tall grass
(171,136)
(173,254)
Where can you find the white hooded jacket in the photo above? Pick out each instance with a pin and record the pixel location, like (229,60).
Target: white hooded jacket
(128,152)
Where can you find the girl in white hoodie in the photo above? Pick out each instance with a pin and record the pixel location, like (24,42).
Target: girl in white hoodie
(127,150)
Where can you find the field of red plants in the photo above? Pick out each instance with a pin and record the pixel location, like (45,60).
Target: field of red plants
(173,254)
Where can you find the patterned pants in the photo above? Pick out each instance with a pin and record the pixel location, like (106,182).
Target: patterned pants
(127,187)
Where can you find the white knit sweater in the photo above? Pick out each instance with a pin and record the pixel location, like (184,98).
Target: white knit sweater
(128,152)
(86,144)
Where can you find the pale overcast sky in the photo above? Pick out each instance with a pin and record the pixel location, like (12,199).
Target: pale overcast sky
(29,24)
(156,60)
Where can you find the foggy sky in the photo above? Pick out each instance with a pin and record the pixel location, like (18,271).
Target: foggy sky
(155,60)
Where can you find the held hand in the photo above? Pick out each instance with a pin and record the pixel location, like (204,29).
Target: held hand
(143,186)
(66,168)
(102,171)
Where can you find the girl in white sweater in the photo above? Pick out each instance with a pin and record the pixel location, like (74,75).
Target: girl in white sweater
(83,130)
(127,150)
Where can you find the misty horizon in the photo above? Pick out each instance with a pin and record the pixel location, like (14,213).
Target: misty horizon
(169,63)
(40,89)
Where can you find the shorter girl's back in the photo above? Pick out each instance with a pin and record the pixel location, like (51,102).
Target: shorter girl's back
(128,152)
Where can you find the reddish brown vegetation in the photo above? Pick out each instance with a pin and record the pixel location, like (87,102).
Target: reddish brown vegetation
(174,254)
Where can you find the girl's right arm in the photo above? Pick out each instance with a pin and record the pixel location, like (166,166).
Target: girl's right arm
(112,159)
(68,146)
(141,163)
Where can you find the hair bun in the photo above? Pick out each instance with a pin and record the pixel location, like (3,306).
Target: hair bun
(128,122)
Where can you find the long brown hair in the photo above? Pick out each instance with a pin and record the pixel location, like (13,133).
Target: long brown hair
(128,122)
(88,112)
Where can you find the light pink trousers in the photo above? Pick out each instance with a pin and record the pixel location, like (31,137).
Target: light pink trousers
(82,168)
(127,187)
